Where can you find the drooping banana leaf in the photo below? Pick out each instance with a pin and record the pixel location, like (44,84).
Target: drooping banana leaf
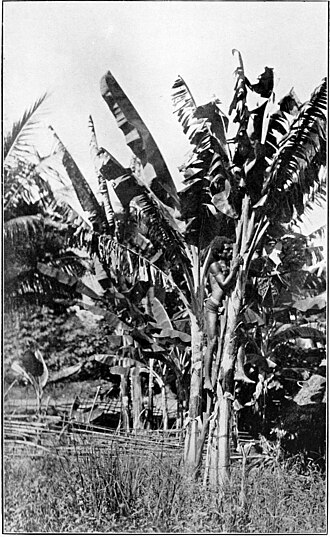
(164,229)
(280,121)
(160,315)
(140,140)
(171,334)
(113,321)
(252,318)
(289,331)
(294,172)
(317,302)
(115,361)
(67,279)
(207,172)
(65,372)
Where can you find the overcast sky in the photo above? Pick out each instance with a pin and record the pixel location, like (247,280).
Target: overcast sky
(66,47)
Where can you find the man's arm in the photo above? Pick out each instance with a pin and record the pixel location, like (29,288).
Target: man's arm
(223,282)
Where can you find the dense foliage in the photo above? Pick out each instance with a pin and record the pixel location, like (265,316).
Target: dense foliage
(146,266)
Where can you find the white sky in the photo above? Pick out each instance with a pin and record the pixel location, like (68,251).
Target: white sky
(66,47)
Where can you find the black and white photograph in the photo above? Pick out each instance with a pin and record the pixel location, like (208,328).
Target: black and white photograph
(164,267)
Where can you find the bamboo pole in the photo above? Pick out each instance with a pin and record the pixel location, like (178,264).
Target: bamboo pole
(151,393)
(124,401)
(93,404)
(164,407)
(136,397)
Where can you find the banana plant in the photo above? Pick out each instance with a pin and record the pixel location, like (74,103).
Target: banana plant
(276,182)
(231,187)
(248,171)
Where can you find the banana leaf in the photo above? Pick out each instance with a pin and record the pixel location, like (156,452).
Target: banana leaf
(127,188)
(171,334)
(294,172)
(84,192)
(65,372)
(160,315)
(253,318)
(290,331)
(67,279)
(111,318)
(140,140)
(317,302)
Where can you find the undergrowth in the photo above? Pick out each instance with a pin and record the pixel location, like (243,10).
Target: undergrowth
(112,492)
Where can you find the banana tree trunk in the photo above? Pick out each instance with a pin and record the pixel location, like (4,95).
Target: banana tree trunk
(191,440)
(206,415)
(220,456)
(219,467)
(181,404)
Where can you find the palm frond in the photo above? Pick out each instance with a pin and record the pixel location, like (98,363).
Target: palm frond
(139,139)
(19,142)
(22,227)
(32,287)
(18,184)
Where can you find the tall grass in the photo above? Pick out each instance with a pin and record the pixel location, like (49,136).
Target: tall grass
(111,492)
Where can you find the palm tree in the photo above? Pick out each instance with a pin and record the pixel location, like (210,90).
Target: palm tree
(36,224)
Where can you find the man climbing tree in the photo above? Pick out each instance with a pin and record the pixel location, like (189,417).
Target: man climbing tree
(220,279)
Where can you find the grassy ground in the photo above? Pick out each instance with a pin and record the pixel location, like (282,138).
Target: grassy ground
(112,493)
